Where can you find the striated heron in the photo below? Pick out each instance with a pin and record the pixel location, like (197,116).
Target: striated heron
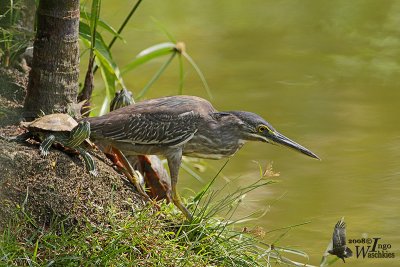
(183,125)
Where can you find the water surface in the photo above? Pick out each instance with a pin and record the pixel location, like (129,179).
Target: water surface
(324,73)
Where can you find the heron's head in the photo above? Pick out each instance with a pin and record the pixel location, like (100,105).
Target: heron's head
(255,128)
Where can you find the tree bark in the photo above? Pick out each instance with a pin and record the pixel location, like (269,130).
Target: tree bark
(53,80)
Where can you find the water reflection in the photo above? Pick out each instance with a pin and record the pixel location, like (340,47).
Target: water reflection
(323,73)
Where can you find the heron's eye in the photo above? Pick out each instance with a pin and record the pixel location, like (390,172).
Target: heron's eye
(262,128)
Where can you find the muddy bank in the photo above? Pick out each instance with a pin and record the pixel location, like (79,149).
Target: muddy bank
(58,184)
(55,185)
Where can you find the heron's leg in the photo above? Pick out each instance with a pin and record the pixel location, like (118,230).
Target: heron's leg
(89,162)
(174,163)
(46,144)
(133,176)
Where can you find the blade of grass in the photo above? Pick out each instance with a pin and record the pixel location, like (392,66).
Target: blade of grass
(202,192)
(186,168)
(199,73)
(155,77)
(293,251)
(289,227)
(35,251)
(125,22)
(164,29)
(181,74)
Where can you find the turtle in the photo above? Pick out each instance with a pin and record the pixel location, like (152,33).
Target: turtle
(62,129)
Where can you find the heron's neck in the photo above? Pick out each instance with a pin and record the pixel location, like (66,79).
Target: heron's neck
(215,144)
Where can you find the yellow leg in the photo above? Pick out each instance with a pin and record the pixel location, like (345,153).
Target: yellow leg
(174,162)
(178,203)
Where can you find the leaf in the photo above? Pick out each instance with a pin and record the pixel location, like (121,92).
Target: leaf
(101,23)
(162,49)
(150,53)
(199,72)
(101,51)
(110,84)
(94,17)
(155,77)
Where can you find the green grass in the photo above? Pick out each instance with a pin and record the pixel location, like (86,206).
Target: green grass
(147,237)
(13,38)
(139,239)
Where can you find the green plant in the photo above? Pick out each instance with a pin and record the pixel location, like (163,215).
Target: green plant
(227,240)
(148,237)
(111,74)
(14,39)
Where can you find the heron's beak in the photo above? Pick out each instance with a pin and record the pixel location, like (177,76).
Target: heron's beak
(280,139)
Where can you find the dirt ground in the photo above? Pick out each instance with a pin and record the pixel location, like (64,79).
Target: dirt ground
(55,185)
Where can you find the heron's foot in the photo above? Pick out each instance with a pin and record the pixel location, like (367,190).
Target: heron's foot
(139,184)
(154,204)
(122,163)
(179,204)
(136,178)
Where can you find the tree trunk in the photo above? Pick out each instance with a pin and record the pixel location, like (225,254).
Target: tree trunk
(53,80)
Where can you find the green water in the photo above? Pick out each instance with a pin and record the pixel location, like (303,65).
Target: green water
(324,73)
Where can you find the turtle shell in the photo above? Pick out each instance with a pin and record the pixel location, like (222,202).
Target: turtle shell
(58,122)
